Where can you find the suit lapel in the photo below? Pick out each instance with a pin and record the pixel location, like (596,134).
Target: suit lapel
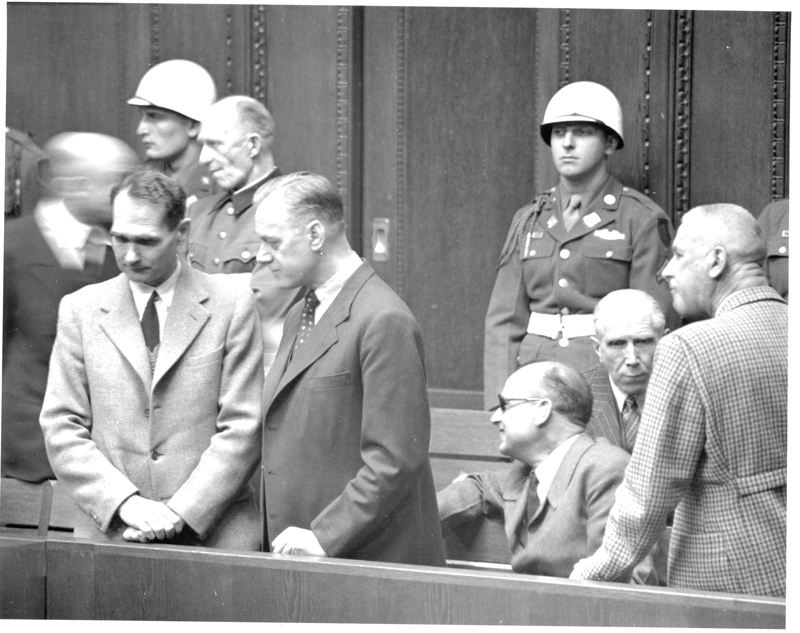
(605,411)
(567,468)
(121,324)
(514,499)
(186,318)
(324,334)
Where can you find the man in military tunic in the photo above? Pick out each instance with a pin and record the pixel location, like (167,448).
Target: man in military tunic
(237,135)
(572,245)
(774,221)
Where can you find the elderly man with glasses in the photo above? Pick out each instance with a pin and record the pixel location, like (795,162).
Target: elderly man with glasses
(555,497)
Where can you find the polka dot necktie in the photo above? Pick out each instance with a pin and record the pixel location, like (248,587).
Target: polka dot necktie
(306,319)
(630,421)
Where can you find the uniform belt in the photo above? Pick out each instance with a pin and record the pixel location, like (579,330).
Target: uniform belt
(569,325)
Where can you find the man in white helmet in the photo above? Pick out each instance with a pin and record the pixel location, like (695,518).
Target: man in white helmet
(572,245)
(172,98)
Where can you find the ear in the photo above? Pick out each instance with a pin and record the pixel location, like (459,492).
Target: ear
(183,229)
(543,410)
(316,235)
(194,129)
(596,346)
(611,144)
(718,261)
(254,144)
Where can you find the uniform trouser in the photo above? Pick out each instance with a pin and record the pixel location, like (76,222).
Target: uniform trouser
(577,352)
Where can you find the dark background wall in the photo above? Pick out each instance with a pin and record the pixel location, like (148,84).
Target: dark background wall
(427,118)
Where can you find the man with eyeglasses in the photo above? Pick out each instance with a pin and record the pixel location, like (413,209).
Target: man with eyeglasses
(556,496)
(237,135)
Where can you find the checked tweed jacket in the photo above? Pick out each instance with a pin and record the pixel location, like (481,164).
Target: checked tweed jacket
(713,443)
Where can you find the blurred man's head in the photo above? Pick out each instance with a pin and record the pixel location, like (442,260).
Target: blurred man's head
(628,325)
(82,168)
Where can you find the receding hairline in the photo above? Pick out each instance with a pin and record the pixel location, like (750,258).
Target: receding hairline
(627,302)
(727,225)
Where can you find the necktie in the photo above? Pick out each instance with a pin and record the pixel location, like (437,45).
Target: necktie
(306,319)
(152,336)
(532,504)
(630,421)
(572,213)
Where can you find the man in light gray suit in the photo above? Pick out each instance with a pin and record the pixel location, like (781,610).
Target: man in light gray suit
(152,411)
(628,325)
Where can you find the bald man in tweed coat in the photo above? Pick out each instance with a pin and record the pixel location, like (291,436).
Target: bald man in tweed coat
(712,440)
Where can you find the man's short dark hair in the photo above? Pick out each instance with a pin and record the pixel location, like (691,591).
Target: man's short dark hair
(308,196)
(570,393)
(156,189)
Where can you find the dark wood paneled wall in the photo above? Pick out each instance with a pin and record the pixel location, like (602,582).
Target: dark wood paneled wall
(428,117)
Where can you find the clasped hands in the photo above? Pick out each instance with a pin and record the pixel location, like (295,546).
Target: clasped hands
(148,520)
(295,540)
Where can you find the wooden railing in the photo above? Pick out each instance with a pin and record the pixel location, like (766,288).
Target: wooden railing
(65,578)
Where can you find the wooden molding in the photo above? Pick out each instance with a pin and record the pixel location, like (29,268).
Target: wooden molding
(683,100)
(780,104)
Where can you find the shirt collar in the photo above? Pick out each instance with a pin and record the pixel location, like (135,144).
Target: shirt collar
(166,291)
(586,198)
(242,199)
(327,292)
(620,396)
(60,227)
(546,471)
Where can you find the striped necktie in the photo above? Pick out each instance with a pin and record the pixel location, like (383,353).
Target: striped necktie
(630,421)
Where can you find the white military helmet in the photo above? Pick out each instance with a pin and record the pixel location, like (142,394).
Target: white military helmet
(178,85)
(583,101)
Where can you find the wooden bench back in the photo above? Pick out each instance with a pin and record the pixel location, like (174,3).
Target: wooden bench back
(45,506)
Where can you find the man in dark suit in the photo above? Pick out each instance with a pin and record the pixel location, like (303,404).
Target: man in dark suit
(345,459)
(628,325)
(152,415)
(237,135)
(556,496)
(713,440)
(61,247)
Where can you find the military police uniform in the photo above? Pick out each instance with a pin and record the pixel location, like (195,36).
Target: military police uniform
(549,280)
(774,221)
(194,178)
(222,236)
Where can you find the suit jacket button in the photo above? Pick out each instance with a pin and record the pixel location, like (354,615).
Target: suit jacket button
(155,455)
(147,413)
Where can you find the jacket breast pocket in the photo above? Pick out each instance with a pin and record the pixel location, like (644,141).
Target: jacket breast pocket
(204,359)
(607,266)
(334,381)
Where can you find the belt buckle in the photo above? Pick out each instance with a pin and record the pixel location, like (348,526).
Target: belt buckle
(562,328)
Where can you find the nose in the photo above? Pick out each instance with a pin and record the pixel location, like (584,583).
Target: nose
(631,357)
(568,140)
(206,155)
(667,273)
(131,255)
(497,416)
(142,128)
(263,256)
